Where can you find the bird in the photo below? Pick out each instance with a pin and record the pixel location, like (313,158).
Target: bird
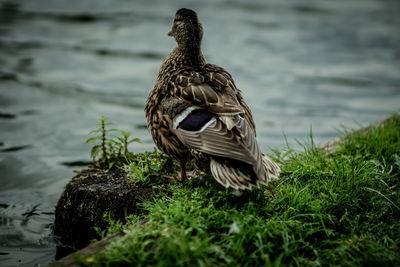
(196,112)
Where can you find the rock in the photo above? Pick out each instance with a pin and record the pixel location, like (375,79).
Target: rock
(88,198)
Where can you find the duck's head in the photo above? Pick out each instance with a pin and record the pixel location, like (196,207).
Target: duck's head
(187,29)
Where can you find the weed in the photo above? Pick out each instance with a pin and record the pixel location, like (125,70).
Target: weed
(109,151)
(113,226)
(138,172)
(146,165)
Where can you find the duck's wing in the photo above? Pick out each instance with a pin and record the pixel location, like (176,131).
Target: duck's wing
(216,139)
(216,122)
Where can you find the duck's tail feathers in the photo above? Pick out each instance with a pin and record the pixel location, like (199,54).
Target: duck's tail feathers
(238,178)
(272,168)
(230,176)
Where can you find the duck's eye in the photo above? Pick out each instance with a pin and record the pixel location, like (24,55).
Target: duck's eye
(177,20)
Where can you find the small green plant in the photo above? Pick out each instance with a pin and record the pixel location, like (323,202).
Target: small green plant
(123,141)
(138,172)
(113,225)
(109,151)
(145,165)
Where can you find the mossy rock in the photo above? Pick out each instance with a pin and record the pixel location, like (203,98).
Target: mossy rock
(91,196)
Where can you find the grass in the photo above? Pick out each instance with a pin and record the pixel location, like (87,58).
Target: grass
(142,167)
(338,208)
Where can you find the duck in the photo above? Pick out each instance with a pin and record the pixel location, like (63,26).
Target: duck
(196,112)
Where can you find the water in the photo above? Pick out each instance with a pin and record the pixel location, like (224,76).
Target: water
(63,64)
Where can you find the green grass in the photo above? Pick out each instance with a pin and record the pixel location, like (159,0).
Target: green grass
(340,208)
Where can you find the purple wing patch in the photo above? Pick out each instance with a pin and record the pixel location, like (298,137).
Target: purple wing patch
(195,120)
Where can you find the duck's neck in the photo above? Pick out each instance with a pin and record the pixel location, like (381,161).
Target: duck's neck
(190,55)
(181,57)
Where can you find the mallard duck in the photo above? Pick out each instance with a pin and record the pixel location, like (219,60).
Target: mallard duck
(196,111)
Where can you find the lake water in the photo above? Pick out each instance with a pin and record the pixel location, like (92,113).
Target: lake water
(301,64)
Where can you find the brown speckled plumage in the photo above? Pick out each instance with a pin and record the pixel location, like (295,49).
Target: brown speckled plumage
(226,142)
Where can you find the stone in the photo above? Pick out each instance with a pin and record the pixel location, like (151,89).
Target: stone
(89,198)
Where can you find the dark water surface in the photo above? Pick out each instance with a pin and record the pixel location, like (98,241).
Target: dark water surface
(63,64)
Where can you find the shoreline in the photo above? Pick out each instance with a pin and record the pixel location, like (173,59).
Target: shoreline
(90,253)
